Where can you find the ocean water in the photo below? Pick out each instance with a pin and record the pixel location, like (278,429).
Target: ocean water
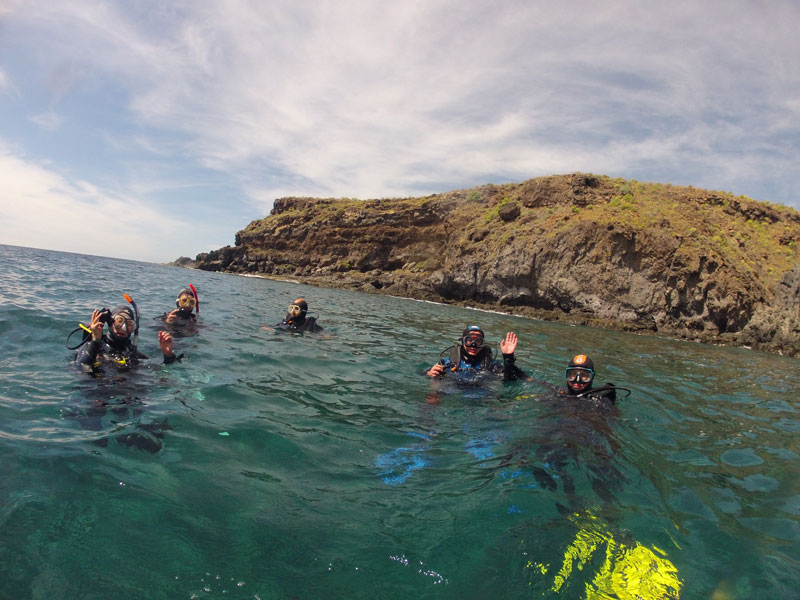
(268,465)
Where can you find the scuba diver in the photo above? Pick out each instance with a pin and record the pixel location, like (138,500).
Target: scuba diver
(296,319)
(117,350)
(472,356)
(186,302)
(119,346)
(575,435)
(580,375)
(470,366)
(574,453)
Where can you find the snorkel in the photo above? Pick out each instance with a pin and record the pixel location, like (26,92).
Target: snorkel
(135,310)
(196,299)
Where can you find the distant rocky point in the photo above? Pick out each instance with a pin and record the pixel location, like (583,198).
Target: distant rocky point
(579,248)
(182,261)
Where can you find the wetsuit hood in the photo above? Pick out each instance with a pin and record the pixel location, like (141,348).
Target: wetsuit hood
(113,339)
(124,309)
(472,336)
(582,363)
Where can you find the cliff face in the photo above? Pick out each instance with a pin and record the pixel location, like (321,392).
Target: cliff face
(580,248)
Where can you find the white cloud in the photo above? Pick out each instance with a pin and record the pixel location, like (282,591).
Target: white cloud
(7,86)
(354,98)
(48,121)
(358,99)
(41,208)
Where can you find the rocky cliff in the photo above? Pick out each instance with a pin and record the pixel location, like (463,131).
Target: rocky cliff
(581,248)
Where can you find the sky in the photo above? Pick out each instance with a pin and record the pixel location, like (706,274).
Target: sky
(156,129)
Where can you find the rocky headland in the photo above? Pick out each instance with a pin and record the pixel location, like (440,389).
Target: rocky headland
(579,248)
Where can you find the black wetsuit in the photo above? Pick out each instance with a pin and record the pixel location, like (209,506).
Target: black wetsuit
(127,403)
(118,353)
(605,393)
(183,318)
(481,362)
(573,435)
(299,325)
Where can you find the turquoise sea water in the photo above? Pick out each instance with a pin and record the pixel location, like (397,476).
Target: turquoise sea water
(318,467)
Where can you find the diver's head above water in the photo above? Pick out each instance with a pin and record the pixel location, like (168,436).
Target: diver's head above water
(579,374)
(122,323)
(186,302)
(296,313)
(472,340)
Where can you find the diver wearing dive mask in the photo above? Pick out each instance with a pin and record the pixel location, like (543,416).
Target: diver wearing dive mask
(117,347)
(471,355)
(188,304)
(580,375)
(297,319)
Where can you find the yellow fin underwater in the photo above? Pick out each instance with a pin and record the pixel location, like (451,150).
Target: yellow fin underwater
(627,572)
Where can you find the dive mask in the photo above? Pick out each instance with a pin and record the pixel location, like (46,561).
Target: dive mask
(121,323)
(579,375)
(186,302)
(473,341)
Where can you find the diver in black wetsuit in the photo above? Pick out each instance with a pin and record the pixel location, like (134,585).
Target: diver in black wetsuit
(471,356)
(115,348)
(186,302)
(575,434)
(580,375)
(296,320)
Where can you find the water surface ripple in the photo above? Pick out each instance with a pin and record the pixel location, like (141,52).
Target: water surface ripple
(330,467)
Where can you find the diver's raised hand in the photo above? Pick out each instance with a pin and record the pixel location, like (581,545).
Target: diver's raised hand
(509,345)
(435,370)
(165,341)
(96,325)
(172,317)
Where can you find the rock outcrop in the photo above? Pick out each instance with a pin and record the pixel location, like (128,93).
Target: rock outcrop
(580,248)
(182,261)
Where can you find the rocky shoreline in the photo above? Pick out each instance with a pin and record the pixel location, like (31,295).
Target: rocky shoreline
(579,248)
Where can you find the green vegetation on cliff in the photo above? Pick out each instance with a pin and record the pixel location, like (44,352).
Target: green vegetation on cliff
(582,248)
